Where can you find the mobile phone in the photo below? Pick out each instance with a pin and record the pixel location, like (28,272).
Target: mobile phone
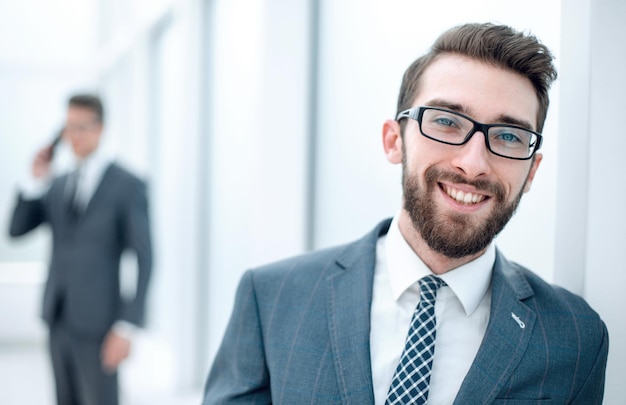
(55,142)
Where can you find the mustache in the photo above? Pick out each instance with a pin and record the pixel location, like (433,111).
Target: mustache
(433,175)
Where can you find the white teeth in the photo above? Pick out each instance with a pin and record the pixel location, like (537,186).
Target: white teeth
(463,197)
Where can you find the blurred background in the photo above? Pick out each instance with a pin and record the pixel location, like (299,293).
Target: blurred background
(257,124)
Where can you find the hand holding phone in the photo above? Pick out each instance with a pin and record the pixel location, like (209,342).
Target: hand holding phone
(43,158)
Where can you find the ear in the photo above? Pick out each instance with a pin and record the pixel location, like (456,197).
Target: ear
(392,141)
(533,170)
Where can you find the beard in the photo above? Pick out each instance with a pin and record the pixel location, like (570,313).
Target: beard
(454,235)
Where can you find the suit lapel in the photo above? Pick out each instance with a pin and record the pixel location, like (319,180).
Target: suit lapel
(348,303)
(510,327)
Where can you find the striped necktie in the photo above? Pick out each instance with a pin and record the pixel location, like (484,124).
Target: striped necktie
(72,193)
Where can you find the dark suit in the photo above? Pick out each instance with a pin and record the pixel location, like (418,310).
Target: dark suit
(299,334)
(82,294)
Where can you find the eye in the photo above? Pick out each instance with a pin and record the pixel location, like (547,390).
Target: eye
(509,137)
(510,140)
(445,122)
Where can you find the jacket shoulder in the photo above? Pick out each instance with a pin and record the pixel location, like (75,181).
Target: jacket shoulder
(122,174)
(553,295)
(124,183)
(299,269)
(560,311)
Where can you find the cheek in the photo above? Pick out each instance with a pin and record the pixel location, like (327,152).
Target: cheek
(423,154)
(514,181)
(414,166)
(415,152)
(87,140)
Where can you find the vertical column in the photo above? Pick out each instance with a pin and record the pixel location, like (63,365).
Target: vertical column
(592,188)
(605,271)
(573,166)
(256,157)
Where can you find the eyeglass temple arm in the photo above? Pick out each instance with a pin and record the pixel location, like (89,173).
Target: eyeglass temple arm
(404,114)
(539,142)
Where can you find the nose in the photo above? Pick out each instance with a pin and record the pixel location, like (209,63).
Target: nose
(472,158)
(73,137)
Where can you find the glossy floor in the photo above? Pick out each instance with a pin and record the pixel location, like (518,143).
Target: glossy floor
(26,379)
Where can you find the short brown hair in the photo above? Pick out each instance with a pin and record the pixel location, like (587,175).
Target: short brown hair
(89,101)
(499,45)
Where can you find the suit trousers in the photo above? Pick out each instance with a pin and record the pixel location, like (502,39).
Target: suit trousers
(78,373)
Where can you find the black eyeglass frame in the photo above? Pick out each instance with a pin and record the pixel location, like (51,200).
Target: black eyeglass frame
(417,113)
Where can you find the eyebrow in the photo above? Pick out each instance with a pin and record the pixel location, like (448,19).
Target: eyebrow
(466,110)
(507,119)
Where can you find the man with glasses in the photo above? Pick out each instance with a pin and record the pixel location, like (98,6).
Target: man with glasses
(96,212)
(425,309)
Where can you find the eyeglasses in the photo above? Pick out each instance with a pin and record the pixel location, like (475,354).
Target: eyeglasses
(80,128)
(452,128)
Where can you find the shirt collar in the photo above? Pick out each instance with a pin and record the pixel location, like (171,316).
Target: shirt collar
(99,157)
(469,282)
(91,170)
(93,165)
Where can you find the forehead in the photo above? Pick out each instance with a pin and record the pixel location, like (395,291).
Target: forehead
(482,91)
(79,113)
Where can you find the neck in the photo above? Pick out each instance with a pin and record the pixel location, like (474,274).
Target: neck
(436,262)
(81,158)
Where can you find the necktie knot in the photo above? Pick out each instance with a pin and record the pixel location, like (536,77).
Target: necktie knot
(429,286)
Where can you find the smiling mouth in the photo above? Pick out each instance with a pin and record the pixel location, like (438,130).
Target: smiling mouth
(463,197)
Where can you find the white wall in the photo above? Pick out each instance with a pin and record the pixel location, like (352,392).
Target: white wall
(257,151)
(592,189)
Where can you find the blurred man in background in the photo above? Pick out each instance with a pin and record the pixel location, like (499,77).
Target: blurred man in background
(95,212)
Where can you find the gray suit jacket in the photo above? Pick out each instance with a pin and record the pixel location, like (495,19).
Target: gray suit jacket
(299,334)
(84,268)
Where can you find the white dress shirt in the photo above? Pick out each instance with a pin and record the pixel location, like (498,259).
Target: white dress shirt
(461,309)
(91,170)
